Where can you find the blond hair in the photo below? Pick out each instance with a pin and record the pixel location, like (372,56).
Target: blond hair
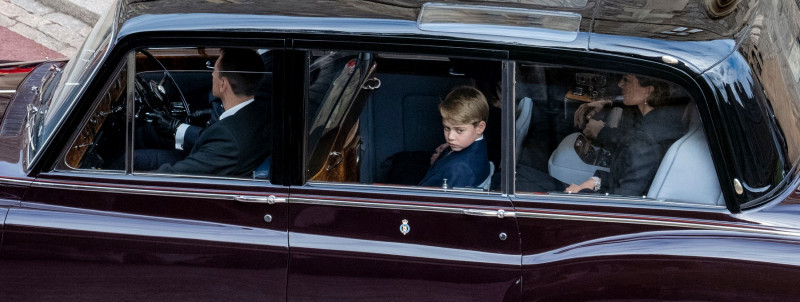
(464,105)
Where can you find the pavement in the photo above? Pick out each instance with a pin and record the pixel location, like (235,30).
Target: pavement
(40,29)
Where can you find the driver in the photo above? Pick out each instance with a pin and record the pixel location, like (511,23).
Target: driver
(650,125)
(238,142)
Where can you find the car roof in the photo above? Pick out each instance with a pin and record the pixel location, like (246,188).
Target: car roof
(654,28)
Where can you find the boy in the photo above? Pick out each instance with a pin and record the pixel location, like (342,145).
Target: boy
(463,160)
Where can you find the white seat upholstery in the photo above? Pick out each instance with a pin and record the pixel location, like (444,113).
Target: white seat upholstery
(488,182)
(523,123)
(687,172)
(566,166)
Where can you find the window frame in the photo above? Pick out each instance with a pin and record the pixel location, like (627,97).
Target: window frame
(62,165)
(125,54)
(679,75)
(483,54)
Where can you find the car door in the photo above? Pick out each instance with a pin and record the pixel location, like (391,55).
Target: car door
(356,235)
(88,229)
(673,238)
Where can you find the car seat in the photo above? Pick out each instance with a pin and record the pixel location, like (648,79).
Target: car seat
(687,171)
(488,182)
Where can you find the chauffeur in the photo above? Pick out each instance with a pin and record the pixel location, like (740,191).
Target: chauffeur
(237,143)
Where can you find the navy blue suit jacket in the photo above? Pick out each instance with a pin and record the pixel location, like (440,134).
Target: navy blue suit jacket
(466,168)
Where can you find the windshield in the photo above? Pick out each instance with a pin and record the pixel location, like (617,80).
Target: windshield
(75,77)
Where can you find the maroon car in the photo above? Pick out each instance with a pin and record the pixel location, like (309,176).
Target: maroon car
(637,150)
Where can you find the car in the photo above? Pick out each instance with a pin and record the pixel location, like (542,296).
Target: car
(693,196)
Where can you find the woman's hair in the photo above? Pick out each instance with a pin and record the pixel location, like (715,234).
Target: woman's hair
(661,95)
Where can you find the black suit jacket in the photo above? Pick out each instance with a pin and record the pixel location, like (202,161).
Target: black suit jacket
(233,146)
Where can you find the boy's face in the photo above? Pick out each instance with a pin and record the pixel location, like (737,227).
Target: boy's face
(460,136)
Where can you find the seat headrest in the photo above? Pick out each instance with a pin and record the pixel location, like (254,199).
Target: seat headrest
(691,117)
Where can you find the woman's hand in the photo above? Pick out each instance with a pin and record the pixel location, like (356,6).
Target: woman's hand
(573,188)
(593,128)
(586,111)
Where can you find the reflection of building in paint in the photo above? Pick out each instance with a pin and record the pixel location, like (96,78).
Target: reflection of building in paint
(669,19)
(773,39)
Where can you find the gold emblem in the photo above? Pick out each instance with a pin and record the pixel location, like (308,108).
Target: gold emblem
(405,228)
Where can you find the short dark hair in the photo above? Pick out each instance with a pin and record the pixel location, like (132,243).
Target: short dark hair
(243,68)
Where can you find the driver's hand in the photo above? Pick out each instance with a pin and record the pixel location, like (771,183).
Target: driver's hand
(593,128)
(586,111)
(164,123)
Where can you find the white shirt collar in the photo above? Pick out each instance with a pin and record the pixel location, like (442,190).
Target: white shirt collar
(233,109)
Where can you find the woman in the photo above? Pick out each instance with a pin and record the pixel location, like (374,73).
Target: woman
(649,126)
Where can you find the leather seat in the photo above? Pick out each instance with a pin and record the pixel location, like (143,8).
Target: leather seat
(486,184)
(688,164)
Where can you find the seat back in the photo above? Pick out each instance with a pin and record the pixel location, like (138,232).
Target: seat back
(488,182)
(687,172)
(262,171)
(523,123)
(398,119)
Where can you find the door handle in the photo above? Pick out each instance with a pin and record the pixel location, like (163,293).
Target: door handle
(490,213)
(260,199)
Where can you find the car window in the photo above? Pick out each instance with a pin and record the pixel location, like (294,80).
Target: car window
(583,131)
(101,140)
(192,114)
(379,120)
(76,74)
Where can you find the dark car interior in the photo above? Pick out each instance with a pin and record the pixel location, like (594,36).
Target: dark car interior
(373,118)
(400,124)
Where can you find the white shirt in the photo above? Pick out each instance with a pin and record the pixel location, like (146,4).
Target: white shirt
(181,131)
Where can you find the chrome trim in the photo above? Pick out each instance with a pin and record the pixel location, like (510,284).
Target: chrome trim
(393,249)
(646,221)
(311,184)
(220,196)
(376,205)
(7,203)
(188,176)
(508,129)
(614,201)
(251,199)
(15,182)
(669,60)
(547,25)
(259,199)
(490,213)
(8,91)
(130,109)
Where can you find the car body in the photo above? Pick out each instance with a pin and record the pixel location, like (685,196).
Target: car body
(353,90)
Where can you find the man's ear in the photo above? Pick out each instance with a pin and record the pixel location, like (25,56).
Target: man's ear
(480,127)
(224,85)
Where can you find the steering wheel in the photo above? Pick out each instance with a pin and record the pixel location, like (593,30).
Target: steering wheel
(153,94)
(149,99)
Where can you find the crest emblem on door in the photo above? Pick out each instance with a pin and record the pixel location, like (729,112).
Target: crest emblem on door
(405,228)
